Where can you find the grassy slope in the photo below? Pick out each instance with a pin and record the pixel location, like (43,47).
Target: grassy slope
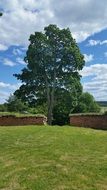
(52,158)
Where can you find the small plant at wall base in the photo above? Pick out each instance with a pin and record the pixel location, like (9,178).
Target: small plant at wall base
(53,62)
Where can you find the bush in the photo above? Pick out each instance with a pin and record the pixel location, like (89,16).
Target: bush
(86,104)
(3,107)
(41,109)
(105,113)
(16,105)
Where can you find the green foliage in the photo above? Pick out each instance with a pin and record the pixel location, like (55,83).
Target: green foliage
(86,103)
(52,58)
(15,105)
(3,107)
(105,113)
(40,109)
(66,102)
(1,14)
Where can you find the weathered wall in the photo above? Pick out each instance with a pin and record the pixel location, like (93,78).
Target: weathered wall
(13,120)
(89,121)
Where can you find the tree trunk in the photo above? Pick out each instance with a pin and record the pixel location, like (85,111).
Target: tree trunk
(50,99)
(50,116)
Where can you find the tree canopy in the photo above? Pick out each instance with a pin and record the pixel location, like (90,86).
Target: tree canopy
(53,63)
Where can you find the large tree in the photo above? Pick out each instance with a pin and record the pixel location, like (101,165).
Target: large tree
(53,62)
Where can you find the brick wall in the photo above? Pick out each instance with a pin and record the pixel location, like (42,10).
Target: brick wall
(89,121)
(13,120)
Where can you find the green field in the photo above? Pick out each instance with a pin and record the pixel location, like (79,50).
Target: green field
(52,158)
(103,109)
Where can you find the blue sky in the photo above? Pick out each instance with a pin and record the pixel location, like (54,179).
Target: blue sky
(87,20)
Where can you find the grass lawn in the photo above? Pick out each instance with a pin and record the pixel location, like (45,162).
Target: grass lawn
(52,158)
(18,114)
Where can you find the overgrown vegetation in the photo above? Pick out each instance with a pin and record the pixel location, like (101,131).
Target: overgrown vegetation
(86,104)
(65,104)
(48,158)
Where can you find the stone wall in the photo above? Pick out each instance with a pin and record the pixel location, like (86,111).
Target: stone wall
(16,121)
(89,121)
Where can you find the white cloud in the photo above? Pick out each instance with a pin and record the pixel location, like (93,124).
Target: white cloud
(97,88)
(93,42)
(9,86)
(105,54)
(17,51)
(3,47)
(96,69)
(20,61)
(103,42)
(98,83)
(88,58)
(8,62)
(6,89)
(21,18)
(20,21)
(84,18)
(96,42)
(3,96)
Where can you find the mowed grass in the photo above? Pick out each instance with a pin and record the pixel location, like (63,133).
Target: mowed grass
(52,158)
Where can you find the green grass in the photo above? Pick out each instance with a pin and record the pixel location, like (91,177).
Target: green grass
(52,158)
(19,114)
(15,114)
